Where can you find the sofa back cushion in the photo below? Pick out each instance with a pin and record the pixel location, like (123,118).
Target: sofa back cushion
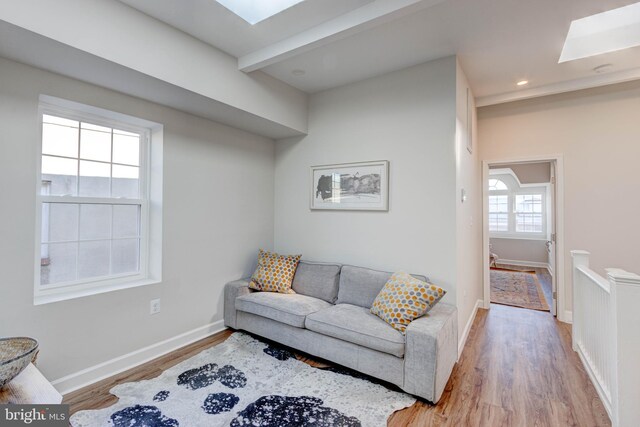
(360,286)
(319,280)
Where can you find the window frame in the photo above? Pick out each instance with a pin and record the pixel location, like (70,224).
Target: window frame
(515,188)
(506,189)
(90,286)
(543,209)
(500,193)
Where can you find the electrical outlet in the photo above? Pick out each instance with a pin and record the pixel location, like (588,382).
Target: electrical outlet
(154,306)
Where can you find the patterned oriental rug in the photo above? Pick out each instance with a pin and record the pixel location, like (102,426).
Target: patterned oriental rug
(246,382)
(517,288)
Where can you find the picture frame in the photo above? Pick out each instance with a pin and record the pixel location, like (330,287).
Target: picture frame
(360,186)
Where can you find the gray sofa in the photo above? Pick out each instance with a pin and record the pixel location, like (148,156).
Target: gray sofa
(329,317)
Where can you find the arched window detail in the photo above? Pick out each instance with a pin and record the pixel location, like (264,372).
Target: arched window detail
(497,185)
(516,210)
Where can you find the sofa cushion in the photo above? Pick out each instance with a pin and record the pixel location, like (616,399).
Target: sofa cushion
(360,286)
(357,325)
(274,272)
(286,308)
(405,298)
(319,280)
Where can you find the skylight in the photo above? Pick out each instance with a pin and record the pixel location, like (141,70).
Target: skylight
(254,11)
(605,32)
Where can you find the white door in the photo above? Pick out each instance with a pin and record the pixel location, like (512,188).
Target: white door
(551,239)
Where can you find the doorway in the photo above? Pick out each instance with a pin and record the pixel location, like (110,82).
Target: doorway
(522,234)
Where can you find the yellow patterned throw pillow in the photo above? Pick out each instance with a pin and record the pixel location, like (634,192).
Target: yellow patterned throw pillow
(275,272)
(405,298)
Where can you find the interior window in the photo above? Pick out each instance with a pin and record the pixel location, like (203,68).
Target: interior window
(516,210)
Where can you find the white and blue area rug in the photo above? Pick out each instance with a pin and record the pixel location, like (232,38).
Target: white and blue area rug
(246,382)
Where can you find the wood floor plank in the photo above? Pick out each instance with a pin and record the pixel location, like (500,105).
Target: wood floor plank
(517,369)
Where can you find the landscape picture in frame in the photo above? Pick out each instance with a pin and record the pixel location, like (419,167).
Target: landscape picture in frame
(351,186)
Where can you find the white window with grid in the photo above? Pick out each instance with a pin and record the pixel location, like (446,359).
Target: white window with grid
(516,211)
(497,185)
(499,213)
(93,202)
(528,213)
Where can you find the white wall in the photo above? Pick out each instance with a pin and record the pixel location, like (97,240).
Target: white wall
(597,132)
(523,250)
(468,214)
(218,209)
(406,117)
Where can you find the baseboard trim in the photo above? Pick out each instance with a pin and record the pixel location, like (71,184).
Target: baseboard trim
(568,317)
(467,328)
(518,263)
(93,374)
(594,380)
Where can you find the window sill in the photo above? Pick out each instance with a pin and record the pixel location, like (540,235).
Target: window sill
(64,294)
(512,237)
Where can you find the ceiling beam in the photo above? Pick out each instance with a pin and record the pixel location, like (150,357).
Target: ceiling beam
(363,18)
(117,33)
(26,47)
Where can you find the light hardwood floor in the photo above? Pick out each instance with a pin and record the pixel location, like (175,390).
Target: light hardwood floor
(517,369)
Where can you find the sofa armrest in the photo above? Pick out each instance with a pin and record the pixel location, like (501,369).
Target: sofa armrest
(431,352)
(233,290)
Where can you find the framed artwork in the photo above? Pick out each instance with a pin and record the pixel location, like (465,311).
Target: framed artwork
(351,186)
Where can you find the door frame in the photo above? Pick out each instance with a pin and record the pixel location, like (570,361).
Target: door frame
(559,272)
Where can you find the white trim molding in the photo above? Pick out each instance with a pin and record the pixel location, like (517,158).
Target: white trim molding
(518,263)
(561,87)
(467,327)
(109,368)
(149,201)
(593,377)
(568,316)
(559,207)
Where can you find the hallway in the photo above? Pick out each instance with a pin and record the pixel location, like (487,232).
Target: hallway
(542,274)
(517,369)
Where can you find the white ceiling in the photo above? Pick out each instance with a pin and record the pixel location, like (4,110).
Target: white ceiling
(211,22)
(498,42)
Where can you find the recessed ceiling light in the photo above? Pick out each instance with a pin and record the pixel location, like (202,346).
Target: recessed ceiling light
(298,72)
(254,11)
(604,32)
(523,82)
